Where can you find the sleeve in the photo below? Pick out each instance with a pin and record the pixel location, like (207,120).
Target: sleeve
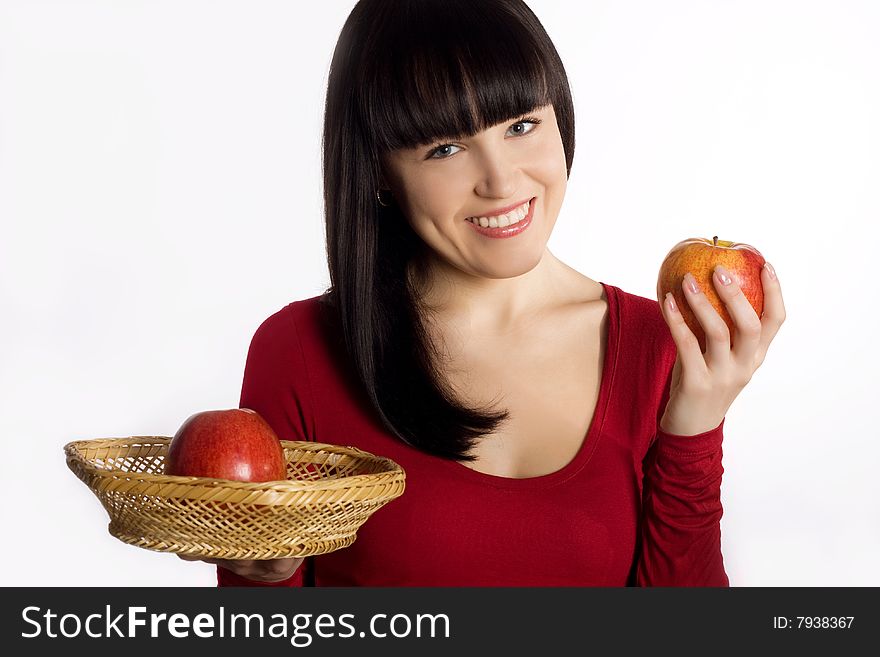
(276,386)
(680,537)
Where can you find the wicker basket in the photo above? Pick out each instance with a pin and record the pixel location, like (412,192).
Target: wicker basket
(330,491)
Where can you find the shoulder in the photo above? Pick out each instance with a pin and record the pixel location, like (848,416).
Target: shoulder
(639,311)
(294,325)
(296,314)
(642,328)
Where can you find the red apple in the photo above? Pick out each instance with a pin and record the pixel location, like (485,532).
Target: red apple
(236,444)
(699,256)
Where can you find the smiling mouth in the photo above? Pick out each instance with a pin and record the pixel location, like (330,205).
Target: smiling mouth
(501,221)
(495,231)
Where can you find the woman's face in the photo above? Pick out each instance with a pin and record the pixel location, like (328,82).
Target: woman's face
(519,164)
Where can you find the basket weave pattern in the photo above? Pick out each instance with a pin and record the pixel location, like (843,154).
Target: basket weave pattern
(330,492)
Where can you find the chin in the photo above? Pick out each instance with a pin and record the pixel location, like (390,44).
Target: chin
(512,266)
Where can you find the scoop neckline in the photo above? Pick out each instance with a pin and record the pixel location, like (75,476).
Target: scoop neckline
(594,432)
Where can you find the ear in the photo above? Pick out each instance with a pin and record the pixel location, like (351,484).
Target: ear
(383,179)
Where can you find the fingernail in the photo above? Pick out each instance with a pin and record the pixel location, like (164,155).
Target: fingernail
(670,301)
(691,283)
(770,270)
(722,275)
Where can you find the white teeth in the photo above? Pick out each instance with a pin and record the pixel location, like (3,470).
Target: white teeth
(512,217)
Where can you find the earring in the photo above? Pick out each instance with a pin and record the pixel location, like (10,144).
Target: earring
(379,198)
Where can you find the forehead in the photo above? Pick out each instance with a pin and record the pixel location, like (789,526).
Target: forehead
(428,95)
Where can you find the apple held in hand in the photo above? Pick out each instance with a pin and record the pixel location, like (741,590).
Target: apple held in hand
(699,256)
(236,444)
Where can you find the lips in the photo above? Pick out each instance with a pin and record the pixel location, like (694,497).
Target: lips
(500,211)
(507,231)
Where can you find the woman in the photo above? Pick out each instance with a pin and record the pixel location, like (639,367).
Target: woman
(555,430)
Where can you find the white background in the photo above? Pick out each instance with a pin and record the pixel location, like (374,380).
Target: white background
(160,195)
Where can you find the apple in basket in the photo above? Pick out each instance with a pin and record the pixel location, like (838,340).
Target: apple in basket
(236,444)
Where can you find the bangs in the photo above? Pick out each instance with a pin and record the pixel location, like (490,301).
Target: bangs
(404,74)
(449,69)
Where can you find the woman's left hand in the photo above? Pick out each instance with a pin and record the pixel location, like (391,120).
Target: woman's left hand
(704,385)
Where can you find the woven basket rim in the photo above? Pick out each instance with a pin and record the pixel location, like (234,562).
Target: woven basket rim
(233,519)
(73,453)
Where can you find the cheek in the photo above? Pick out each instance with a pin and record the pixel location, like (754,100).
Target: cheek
(548,168)
(432,198)
(549,162)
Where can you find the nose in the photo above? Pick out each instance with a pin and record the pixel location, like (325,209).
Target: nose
(497,175)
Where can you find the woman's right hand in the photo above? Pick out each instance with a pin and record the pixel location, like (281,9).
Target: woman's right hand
(261,570)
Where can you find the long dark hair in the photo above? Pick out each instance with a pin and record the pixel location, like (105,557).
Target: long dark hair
(406,73)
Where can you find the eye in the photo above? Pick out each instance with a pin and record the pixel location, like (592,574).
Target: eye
(524,122)
(439,154)
(527,125)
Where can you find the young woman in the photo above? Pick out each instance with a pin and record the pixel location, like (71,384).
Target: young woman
(555,430)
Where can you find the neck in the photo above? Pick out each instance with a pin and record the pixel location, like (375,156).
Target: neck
(492,305)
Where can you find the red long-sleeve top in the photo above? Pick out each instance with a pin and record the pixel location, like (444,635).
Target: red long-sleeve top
(635,507)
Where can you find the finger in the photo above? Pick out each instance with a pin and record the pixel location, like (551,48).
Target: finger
(282,569)
(685,341)
(715,328)
(248,568)
(747,324)
(287,565)
(240,566)
(774,310)
(190,557)
(271,570)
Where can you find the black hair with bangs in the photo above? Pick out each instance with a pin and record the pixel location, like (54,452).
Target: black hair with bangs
(407,73)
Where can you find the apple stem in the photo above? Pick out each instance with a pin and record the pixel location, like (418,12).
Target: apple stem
(715,241)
